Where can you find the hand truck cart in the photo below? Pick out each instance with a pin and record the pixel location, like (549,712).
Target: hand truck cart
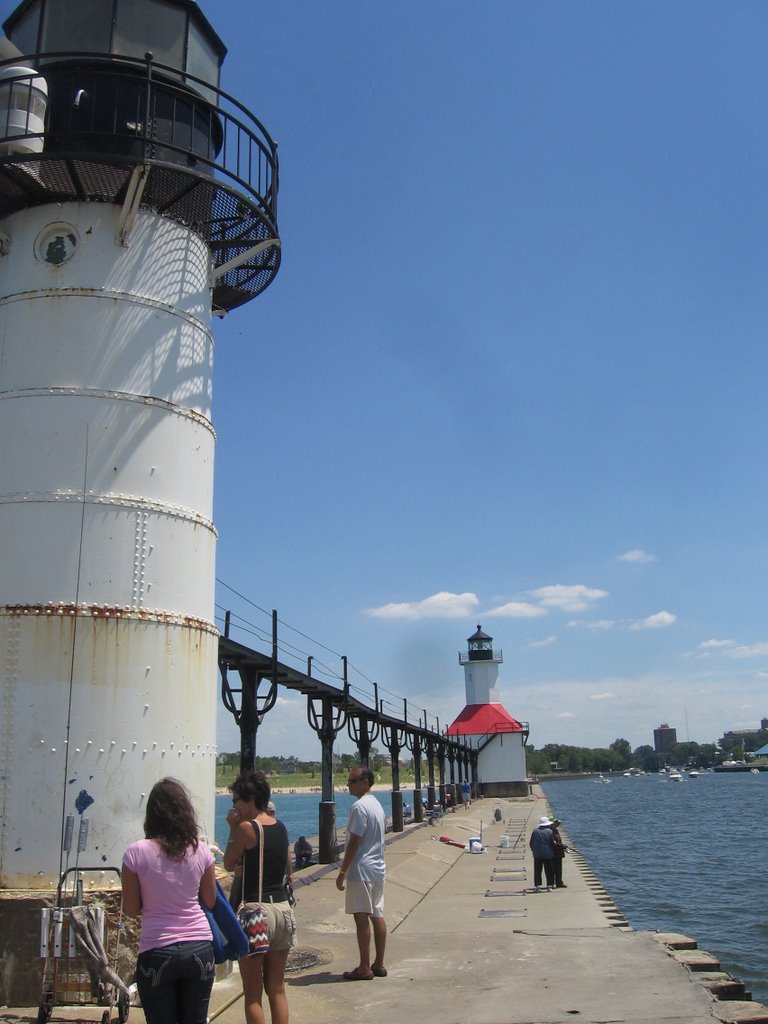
(79,947)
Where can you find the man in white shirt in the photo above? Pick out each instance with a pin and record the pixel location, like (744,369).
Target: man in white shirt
(363,871)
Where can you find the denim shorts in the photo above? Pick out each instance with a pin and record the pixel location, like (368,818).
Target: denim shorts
(175,982)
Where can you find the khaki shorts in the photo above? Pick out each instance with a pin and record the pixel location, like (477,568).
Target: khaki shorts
(281,925)
(364,897)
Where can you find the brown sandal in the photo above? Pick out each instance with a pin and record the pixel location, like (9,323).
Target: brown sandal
(357,976)
(379,972)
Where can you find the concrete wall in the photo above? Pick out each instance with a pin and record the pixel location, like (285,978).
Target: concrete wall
(500,789)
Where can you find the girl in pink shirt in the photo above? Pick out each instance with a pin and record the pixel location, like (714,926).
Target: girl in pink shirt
(164,877)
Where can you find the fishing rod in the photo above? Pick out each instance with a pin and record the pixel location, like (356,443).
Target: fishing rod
(71,694)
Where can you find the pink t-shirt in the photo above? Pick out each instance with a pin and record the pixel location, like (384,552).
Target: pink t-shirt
(170,908)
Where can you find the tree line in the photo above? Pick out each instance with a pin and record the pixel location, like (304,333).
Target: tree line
(553,757)
(619,756)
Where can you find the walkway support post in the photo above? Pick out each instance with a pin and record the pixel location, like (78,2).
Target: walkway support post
(430,772)
(441,769)
(363,730)
(327,719)
(253,708)
(413,742)
(393,738)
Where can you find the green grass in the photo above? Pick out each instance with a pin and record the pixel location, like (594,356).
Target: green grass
(225,775)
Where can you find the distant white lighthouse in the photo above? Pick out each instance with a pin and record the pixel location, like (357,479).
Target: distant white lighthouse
(486,725)
(136,200)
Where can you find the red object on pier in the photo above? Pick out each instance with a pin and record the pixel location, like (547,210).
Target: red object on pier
(452,842)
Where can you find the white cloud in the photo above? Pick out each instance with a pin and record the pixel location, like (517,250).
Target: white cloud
(518,610)
(546,642)
(747,651)
(638,556)
(730,649)
(439,606)
(593,624)
(657,621)
(709,647)
(575,598)
(639,703)
(565,714)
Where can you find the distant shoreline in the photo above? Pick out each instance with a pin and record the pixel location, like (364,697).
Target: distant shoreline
(378,787)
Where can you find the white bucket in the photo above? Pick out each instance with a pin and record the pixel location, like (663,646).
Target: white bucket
(475,845)
(504,842)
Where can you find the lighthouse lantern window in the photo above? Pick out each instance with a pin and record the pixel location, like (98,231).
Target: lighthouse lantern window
(480,646)
(176,32)
(140,20)
(85,26)
(202,59)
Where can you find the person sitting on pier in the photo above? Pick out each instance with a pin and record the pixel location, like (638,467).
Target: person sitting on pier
(302,853)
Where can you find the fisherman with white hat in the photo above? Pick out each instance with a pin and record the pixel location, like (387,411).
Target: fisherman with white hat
(542,844)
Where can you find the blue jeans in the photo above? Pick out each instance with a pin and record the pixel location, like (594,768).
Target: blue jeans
(175,982)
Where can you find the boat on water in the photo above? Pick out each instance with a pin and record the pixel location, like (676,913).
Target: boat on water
(675,776)
(693,774)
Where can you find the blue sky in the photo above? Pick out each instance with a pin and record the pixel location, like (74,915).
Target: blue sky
(512,370)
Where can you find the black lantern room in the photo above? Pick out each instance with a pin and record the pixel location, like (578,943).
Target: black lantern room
(480,646)
(135,116)
(176,31)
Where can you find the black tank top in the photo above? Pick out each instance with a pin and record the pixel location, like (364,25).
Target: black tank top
(275,864)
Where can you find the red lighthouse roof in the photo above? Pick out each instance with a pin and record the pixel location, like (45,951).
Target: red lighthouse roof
(479,719)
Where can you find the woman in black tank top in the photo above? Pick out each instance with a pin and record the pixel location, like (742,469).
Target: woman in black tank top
(250,800)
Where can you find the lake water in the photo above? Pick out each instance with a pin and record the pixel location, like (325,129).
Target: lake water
(300,812)
(683,857)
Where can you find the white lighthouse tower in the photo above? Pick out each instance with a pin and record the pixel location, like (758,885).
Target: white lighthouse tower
(136,200)
(486,725)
